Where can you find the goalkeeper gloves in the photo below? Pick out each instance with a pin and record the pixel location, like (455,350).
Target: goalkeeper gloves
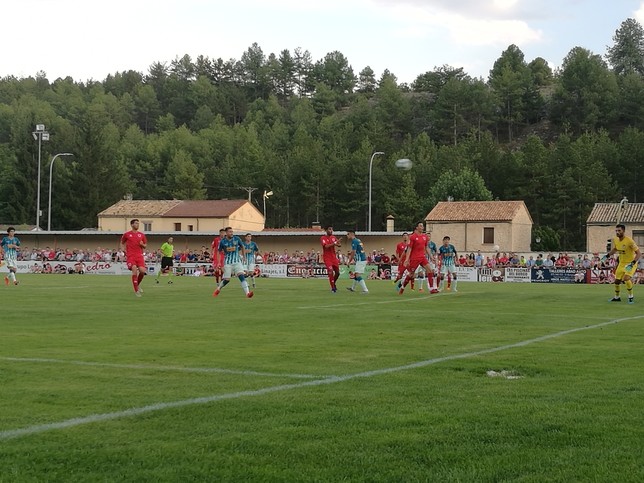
(604,258)
(629,267)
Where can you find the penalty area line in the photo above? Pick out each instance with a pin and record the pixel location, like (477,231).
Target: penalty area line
(94,418)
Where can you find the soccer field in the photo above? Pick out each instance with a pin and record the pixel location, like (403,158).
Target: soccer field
(498,382)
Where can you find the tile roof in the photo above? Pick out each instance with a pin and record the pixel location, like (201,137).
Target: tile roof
(603,213)
(174,208)
(278,231)
(475,211)
(205,208)
(19,227)
(139,208)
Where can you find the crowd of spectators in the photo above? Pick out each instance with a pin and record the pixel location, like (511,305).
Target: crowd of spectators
(73,255)
(563,260)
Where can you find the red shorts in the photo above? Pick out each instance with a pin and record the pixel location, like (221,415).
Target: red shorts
(135,261)
(218,261)
(332,264)
(414,263)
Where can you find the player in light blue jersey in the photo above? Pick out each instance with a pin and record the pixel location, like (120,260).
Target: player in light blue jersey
(233,251)
(10,244)
(358,257)
(251,249)
(448,256)
(432,255)
(420,279)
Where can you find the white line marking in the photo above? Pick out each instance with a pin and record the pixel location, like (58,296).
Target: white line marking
(163,368)
(94,418)
(58,287)
(373,302)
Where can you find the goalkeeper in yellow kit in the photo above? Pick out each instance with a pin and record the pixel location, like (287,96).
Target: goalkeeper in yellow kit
(629,254)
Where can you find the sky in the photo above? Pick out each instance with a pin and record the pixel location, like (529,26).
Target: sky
(89,39)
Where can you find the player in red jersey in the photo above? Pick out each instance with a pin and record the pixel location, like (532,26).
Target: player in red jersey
(416,256)
(329,243)
(133,242)
(217,256)
(400,255)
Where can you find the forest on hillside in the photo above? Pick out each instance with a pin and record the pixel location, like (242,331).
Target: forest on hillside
(306,130)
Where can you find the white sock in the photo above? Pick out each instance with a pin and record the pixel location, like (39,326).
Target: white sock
(244,285)
(363,285)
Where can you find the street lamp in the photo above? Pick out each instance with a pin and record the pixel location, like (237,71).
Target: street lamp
(370,166)
(39,135)
(622,209)
(266,195)
(51,167)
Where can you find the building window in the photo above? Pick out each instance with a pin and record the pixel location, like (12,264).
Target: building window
(177,227)
(638,238)
(147,226)
(191,228)
(488,235)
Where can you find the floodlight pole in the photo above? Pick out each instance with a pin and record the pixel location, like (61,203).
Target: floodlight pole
(267,194)
(370,168)
(40,134)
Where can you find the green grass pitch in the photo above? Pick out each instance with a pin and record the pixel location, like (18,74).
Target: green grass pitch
(299,384)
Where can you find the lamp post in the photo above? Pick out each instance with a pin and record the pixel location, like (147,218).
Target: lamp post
(370,167)
(266,195)
(40,135)
(51,167)
(622,209)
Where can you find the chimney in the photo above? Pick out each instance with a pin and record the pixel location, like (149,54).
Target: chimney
(390,224)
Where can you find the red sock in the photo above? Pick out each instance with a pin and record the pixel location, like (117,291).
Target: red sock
(135,282)
(430,280)
(141,275)
(332,279)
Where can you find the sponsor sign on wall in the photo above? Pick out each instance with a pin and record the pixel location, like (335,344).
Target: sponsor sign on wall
(517,274)
(277,270)
(464,274)
(602,276)
(558,275)
(491,274)
(302,270)
(467,274)
(96,268)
